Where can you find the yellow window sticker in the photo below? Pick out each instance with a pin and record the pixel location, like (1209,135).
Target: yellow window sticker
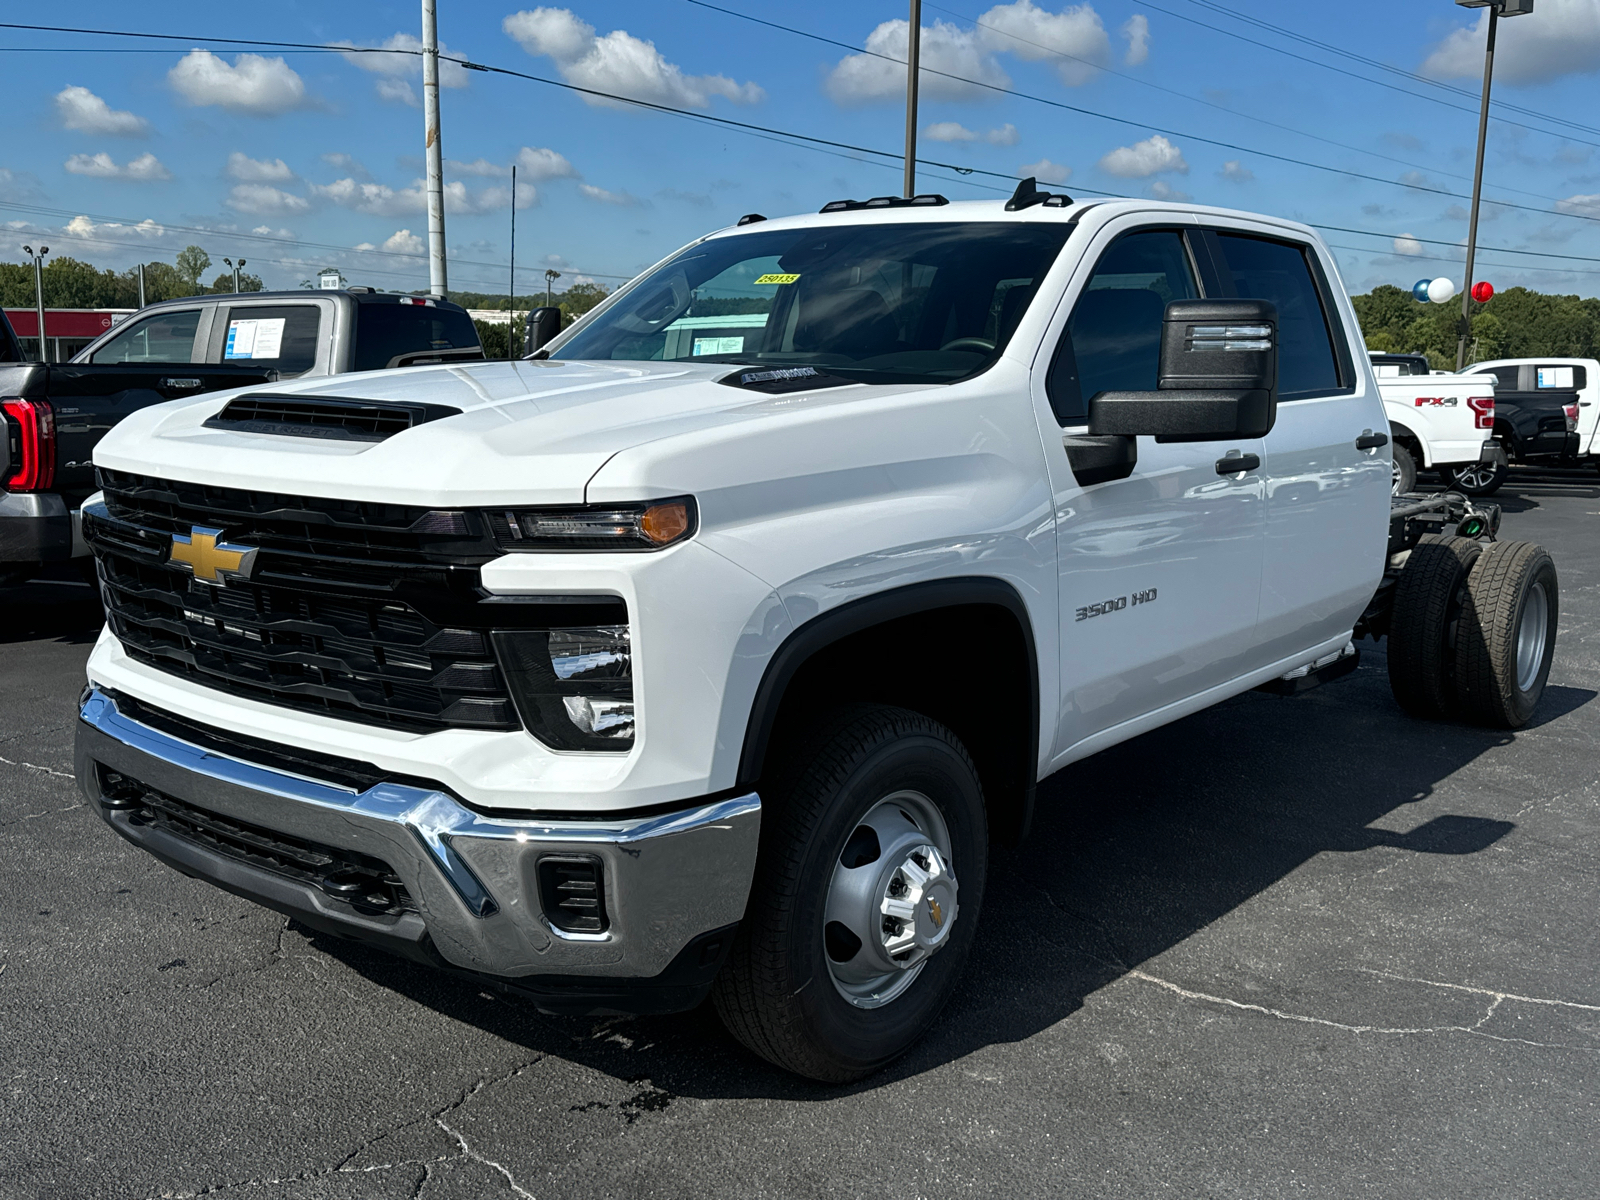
(777,279)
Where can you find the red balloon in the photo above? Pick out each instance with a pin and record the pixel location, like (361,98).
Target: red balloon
(1482,290)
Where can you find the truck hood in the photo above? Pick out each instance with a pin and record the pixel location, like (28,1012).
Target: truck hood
(528,432)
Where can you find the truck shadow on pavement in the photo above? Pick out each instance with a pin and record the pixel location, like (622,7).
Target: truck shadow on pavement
(63,610)
(1132,851)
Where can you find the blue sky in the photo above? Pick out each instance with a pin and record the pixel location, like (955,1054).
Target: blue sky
(114,157)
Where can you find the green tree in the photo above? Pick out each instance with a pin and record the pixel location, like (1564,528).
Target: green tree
(493,338)
(247,282)
(579,299)
(192,263)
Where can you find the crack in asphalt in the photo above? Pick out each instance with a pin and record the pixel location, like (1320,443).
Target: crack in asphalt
(343,1167)
(1475,1029)
(36,767)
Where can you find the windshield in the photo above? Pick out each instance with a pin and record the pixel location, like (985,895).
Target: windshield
(884,303)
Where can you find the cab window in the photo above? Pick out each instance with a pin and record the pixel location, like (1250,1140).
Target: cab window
(1278,271)
(279,337)
(166,337)
(1112,342)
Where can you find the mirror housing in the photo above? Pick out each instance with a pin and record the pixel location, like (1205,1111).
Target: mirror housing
(1218,377)
(541,327)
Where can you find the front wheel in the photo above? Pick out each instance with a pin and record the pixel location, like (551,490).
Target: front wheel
(1475,479)
(866,897)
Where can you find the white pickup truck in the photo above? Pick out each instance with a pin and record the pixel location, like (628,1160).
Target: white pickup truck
(621,677)
(1439,421)
(1547,411)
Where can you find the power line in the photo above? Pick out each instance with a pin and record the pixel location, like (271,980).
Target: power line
(1439,242)
(1383,66)
(1351,74)
(1457,261)
(1193,137)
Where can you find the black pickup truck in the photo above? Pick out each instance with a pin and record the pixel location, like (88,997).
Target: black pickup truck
(1535,424)
(53,415)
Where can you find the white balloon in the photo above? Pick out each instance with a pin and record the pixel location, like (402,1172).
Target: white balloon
(1440,290)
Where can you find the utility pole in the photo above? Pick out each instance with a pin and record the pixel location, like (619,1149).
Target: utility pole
(438,281)
(141,285)
(38,297)
(511,316)
(1497,9)
(913,60)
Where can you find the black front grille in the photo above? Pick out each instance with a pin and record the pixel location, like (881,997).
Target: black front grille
(368,612)
(323,417)
(366,883)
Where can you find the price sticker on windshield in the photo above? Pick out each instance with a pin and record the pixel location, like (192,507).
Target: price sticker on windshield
(777,278)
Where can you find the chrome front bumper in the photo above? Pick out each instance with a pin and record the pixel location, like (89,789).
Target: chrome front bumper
(669,879)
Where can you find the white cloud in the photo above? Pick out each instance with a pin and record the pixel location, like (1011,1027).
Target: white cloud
(147,168)
(1137,31)
(403,241)
(1561,37)
(82,227)
(482,167)
(269,231)
(1162,190)
(264,200)
(618,62)
(258,170)
(253,84)
(1046,171)
(398,91)
(346,163)
(1006,135)
(865,79)
(81,109)
(381,200)
(403,61)
(540,164)
(1150,157)
(600,195)
(1587,206)
(1073,40)
(1408,245)
(949,131)
(1235,171)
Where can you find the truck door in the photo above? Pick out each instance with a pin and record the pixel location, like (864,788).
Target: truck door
(1327,486)
(1160,571)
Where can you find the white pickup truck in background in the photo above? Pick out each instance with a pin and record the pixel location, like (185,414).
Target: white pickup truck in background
(1439,421)
(1548,413)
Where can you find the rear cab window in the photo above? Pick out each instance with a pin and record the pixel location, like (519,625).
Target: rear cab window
(277,337)
(1564,377)
(394,335)
(1258,268)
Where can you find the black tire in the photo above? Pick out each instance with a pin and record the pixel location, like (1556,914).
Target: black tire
(1475,479)
(1404,476)
(1500,674)
(777,993)
(1428,600)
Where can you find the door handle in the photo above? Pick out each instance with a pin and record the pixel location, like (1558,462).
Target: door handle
(1371,441)
(1237,464)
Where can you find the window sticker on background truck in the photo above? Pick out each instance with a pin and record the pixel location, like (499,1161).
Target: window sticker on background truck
(1101,608)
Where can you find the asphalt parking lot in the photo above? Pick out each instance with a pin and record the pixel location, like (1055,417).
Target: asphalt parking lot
(1284,947)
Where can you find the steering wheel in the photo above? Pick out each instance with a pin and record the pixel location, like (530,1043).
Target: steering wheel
(968,343)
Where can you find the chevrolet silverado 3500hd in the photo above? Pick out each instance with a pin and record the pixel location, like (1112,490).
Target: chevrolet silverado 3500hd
(707,650)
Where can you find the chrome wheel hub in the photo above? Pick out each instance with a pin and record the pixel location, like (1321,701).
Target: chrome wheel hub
(892,901)
(1532,630)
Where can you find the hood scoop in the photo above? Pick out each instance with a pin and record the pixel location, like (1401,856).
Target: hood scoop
(344,420)
(778,381)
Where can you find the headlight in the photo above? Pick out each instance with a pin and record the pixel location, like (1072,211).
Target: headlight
(650,525)
(573,687)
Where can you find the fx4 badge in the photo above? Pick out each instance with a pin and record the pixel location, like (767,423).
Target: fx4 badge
(1103,607)
(210,560)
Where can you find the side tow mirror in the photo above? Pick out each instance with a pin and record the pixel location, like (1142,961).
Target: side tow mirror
(541,328)
(1218,379)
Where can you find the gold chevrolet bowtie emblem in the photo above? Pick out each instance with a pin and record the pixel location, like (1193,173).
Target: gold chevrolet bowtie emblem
(210,560)
(936,913)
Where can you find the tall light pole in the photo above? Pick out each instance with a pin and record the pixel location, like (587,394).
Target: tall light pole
(1497,9)
(38,297)
(913,59)
(511,315)
(438,281)
(236,269)
(550,278)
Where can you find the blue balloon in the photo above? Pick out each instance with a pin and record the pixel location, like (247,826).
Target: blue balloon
(1420,289)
